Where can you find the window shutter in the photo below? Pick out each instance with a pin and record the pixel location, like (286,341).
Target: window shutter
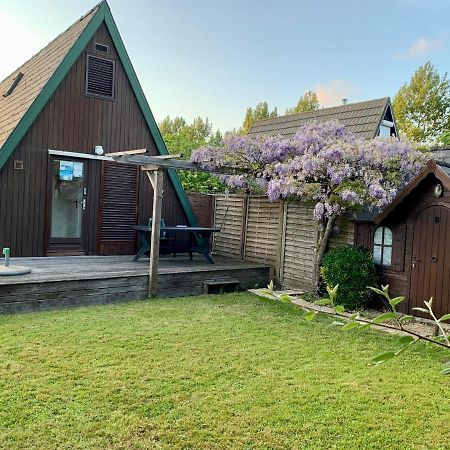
(100,75)
(118,202)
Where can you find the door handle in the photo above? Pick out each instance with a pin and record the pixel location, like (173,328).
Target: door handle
(415,260)
(434,258)
(84,204)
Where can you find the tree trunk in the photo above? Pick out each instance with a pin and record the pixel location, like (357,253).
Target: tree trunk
(325,230)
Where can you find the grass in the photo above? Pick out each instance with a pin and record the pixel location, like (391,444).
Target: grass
(217,372)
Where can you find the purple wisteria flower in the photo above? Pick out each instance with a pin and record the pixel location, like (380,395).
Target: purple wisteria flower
(323,163)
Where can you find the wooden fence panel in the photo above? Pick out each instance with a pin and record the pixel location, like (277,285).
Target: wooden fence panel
(282,234)
(229,216)
(299,241)
(263,231)
(345,233)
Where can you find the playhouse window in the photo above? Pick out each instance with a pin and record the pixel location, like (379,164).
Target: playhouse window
(382,246)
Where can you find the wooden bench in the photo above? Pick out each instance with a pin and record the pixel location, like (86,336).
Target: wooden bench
(220,285)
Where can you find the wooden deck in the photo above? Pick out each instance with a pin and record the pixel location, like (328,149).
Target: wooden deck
(82,280)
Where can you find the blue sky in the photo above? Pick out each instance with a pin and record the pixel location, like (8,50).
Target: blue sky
(215,58)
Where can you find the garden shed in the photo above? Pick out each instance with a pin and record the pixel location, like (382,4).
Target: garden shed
(410,239)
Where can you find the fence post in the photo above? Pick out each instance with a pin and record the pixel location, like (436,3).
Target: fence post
(245,205)
(282,240)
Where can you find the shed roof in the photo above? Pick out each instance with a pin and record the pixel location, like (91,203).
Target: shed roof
(37,71)
(361,118)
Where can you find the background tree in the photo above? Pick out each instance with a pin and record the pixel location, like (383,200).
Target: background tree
(261,111)
(422,106)
(182,137)
(324,163)
(307,102)
(444,138)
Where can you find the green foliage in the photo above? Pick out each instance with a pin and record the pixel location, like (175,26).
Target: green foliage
(444,138)
(182,137)
(385,316)
(261,111)
(351,268)
(307,102)
(422,106)
(200,182)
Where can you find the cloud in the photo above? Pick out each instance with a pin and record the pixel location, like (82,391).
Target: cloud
(332,93)
(18,43)
(422,46)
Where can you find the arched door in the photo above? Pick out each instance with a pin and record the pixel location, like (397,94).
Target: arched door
(430,270)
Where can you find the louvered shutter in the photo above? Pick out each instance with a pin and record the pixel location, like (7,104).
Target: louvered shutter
(100,75)
(118,203)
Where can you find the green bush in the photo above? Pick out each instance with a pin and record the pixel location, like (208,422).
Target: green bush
(353,269)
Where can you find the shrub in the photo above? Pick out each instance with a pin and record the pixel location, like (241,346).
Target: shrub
(353,269)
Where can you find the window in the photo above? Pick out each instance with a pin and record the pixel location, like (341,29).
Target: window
(100,77)
(382,246)
(384,131)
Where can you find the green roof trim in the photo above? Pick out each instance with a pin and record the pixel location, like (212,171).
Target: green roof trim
(103,14)
(49,89)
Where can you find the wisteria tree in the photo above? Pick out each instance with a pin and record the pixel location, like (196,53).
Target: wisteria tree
(324,163)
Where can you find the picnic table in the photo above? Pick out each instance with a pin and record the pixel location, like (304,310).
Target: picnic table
(199,240)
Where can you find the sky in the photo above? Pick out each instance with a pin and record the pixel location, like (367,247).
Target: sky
(216,58)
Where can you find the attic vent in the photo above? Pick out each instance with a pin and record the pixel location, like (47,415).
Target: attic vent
(100,74)
(14,83)
(101,48)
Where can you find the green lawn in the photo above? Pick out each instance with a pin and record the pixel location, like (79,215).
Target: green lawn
(211,372)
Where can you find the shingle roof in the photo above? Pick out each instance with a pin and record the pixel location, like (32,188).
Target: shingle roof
(36,73)
(361,118)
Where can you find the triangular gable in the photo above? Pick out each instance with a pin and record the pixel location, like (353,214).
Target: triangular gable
(91,22)
(431,168)
(388,111)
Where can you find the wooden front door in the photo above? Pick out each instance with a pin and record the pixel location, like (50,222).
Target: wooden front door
(67,206)
(430,264)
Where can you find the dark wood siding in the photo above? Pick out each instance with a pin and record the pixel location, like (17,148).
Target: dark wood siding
(402,221)
(75,122)
(203,207)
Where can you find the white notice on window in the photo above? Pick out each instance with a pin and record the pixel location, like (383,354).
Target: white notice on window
(66,170)
(77,170)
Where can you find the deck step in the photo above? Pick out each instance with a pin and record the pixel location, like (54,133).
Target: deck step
(220,285)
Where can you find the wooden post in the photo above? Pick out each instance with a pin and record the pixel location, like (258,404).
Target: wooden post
(244,224)
(156,177)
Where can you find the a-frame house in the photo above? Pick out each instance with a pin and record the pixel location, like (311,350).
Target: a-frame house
(72,101)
